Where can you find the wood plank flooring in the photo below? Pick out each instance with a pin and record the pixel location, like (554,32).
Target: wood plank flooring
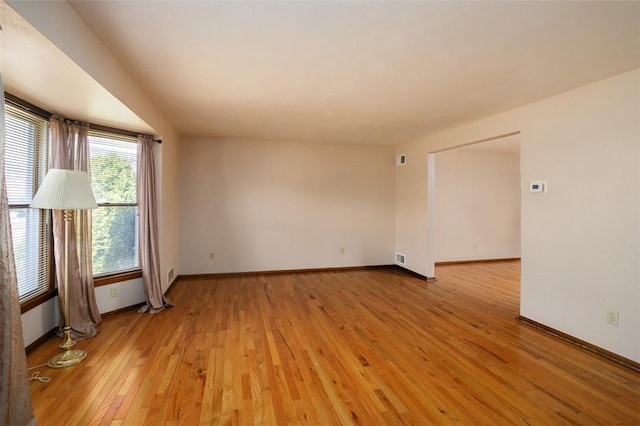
(371,347)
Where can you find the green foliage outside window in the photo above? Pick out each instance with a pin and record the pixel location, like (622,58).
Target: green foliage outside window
(113,179)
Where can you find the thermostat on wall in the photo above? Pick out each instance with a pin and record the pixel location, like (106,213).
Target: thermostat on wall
(538,186)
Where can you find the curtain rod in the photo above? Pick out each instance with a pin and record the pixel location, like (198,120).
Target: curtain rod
(16,101)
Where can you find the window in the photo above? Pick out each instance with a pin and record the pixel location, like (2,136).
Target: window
(26,157)
(113,167)
(113,163)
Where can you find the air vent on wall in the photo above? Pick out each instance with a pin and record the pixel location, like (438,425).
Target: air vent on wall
(401,159)
(401,258)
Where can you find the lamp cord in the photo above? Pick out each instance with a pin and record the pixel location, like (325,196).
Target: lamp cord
(36,375)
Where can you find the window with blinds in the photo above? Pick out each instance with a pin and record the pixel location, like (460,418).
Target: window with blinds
(26,154)
(113,168)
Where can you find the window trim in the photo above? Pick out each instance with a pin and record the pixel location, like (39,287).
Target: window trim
(117,277)
(38,300)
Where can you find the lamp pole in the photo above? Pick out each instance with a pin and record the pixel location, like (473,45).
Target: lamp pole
(70,356)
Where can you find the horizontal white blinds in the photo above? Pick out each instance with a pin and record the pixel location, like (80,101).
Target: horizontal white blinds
(26,144)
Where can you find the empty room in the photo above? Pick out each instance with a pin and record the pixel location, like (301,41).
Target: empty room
(320,212)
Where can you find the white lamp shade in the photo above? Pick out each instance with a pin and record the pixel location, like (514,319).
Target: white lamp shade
(65,190)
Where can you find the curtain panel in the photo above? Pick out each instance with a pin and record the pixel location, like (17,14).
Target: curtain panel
(70,150)
(148,227)
(15,397)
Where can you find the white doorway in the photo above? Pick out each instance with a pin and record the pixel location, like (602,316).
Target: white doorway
(474,202)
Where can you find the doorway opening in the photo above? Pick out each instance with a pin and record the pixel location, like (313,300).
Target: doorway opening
(474,202)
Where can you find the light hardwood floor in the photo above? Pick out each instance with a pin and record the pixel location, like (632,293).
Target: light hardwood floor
(372,347)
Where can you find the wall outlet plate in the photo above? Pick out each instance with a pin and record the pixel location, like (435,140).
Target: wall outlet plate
(613,317)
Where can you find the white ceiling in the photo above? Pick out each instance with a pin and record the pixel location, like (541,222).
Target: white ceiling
(358,72)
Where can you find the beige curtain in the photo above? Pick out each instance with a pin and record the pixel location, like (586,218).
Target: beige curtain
(70,150)
(148,227)
(15,397)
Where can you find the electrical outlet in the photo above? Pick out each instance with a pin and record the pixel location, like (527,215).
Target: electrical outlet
(212,255)
(613,317)
(114,292)
(342,250)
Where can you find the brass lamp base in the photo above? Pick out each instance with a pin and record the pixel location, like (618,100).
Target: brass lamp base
(67,358)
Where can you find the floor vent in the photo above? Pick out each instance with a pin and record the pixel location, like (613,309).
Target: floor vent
(401,258)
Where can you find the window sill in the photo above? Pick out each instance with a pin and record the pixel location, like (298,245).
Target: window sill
(117,277)
(38,300)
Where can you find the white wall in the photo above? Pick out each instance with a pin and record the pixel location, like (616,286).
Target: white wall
(581,239)
(40,320)
(280,205)
(477,205)
(128,293)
